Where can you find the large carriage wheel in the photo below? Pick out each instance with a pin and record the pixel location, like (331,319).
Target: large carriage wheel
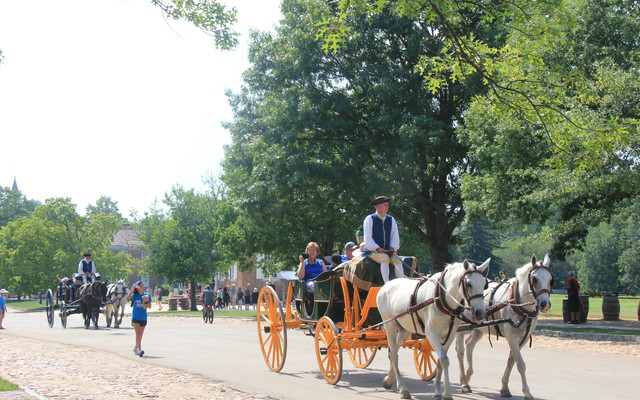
(63,314)
(425,358)
(362,357)
(328,350)
(272,331)
(49,308)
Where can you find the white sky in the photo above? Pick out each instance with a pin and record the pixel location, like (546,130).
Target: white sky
(106,97)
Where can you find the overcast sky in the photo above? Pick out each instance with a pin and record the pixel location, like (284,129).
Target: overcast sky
(106,97)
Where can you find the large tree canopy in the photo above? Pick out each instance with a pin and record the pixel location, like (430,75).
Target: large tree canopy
(51,241)
(181,241)
(316,136)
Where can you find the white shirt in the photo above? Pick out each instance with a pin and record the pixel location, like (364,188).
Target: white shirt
(369,244)
(91,263)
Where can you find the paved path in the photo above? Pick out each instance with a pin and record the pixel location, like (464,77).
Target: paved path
(228,351)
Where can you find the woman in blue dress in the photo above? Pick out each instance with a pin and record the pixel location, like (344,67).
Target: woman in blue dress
(310,266)
(141,301)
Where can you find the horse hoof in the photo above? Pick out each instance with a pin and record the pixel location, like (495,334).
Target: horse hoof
(438,397)
(466,389)
(505,393)
(528,398)
(406,394)
(447,398)
(386,383)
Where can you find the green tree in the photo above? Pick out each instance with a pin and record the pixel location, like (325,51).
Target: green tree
(104,205)
(211,16)
(51,241)
(316,136)
(573,170)
(14,205)
(181,241)
(478,241)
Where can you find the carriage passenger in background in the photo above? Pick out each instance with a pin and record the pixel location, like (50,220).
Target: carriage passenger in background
(310,265)
(381,238)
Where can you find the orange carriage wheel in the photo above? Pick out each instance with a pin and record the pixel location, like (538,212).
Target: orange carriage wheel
(425,359)
(272,330)
(362,357)
(328,350)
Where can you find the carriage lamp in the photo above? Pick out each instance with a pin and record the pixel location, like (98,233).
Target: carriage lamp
(359,236)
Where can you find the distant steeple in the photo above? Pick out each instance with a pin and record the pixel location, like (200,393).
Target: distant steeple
(15,185)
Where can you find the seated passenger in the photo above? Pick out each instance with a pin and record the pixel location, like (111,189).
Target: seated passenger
(348,251)
(310,266)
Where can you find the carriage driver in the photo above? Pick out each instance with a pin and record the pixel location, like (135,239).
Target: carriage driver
(86,267)
(381,238)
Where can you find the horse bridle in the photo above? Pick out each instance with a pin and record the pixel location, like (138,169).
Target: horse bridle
(530,278)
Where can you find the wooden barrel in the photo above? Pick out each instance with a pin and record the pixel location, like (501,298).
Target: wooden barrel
(173,304)
(184,303)
(610,308)
(584,309)
(566,315)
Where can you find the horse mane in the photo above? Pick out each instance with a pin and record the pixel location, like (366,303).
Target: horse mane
(521,273)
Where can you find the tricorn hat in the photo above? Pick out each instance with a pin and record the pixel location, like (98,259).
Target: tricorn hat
(86,255)
(380,200)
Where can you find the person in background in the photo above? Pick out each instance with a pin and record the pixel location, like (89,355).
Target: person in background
(254,297)
(207,296)
(240,298)
(247,296)
(141,302)
(157,293)
(573,294)
(348,251)
(3,305)
(310,266)
(226,297)
(234,296)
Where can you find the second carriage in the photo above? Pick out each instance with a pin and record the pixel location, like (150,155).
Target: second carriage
(70,300)
(341,315)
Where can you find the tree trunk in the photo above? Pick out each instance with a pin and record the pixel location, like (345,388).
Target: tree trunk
(192,295)
(440,257)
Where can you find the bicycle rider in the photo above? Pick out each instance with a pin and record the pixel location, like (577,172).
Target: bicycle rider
(207,297)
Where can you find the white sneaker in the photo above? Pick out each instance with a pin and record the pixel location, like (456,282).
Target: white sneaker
(135,351)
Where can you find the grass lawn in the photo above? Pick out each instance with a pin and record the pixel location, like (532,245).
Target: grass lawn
(6,386)
(584,329)
(628,307)
(27,305)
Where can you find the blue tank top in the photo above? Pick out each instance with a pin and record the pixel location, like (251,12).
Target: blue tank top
(312,270)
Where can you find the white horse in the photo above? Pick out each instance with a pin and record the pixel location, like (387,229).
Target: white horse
(519,299)
(116,302)
(429,307)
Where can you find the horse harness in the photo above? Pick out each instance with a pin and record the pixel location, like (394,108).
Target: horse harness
(515,304)
(440,300)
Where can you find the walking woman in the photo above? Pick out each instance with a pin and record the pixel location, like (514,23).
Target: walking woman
(141,301)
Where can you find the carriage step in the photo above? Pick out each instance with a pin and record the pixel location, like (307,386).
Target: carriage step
(323,351)
(267,329)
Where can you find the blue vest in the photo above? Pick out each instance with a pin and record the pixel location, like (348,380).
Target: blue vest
(312,270)
(86,266)
(381,232)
